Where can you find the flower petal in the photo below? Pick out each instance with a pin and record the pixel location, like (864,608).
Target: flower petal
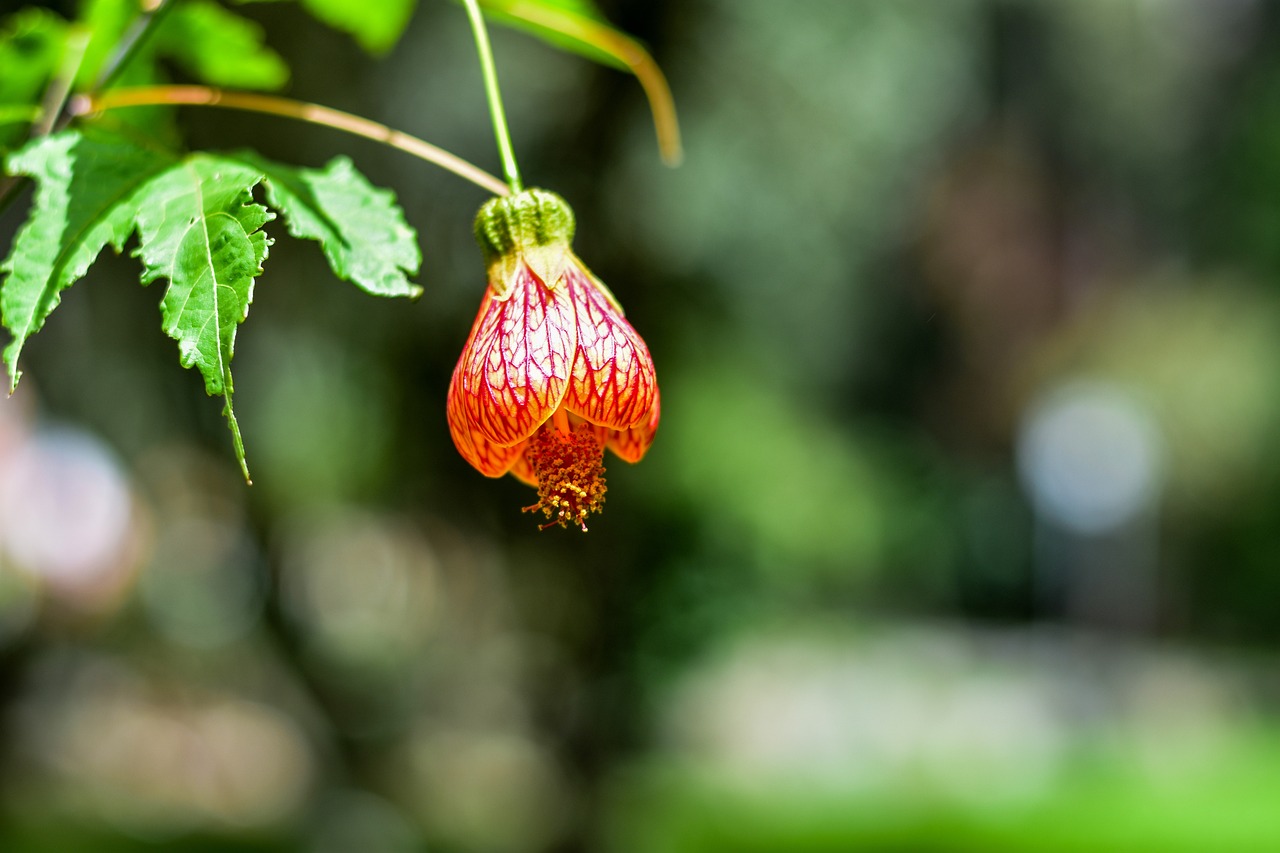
(490,459)
(613,382)
(513,372)
(632,444)
(522,470)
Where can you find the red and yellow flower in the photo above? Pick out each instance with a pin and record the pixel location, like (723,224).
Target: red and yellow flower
(552,373)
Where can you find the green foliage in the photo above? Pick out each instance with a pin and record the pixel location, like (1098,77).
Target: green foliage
(206,40)
(203,38)
(30,49)
(197,223)
(106,22)
(359,227)
(375,24)
(220,48)
(18,114)
(531,20)
(378,24)
(30,46)
(86,198)
(199,228)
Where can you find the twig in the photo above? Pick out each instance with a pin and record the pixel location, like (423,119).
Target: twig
(207,96)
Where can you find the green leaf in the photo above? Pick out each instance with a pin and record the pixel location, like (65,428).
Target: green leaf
(220,47)
(376,25)
(360,228)
(200,229)
(85,200)
(501,11)
(582,8)
(578,26)
(18,113)
(31,44)
(107,22)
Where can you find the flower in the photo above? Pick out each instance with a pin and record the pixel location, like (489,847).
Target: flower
(552,373)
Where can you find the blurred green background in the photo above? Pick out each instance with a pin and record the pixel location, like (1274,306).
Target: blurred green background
(961,531)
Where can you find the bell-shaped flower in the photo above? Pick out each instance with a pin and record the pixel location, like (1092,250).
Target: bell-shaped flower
(552,372)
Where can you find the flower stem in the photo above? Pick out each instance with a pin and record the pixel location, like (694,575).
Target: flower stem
(207,96)
(485,52)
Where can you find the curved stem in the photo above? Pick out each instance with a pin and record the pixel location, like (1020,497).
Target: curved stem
(500,131)
(207,96)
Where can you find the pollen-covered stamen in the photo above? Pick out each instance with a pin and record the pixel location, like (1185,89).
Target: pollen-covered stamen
(570,469)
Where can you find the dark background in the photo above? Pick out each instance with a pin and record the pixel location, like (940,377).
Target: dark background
(960,530)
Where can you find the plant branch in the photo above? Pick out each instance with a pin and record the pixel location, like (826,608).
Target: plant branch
(500,130)
(207,96)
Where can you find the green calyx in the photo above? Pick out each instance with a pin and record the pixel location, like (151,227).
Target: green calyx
(519,223)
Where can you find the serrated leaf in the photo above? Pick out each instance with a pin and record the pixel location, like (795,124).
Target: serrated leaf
(84,200)
(360,228)
(376,25)
(200,229)
(220,47)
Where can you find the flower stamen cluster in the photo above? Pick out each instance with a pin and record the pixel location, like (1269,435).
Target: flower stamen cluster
(569,468)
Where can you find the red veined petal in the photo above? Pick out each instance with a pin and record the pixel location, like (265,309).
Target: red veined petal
(612,381)
(515,367)
(632,444)
(490,459)
(522,470)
